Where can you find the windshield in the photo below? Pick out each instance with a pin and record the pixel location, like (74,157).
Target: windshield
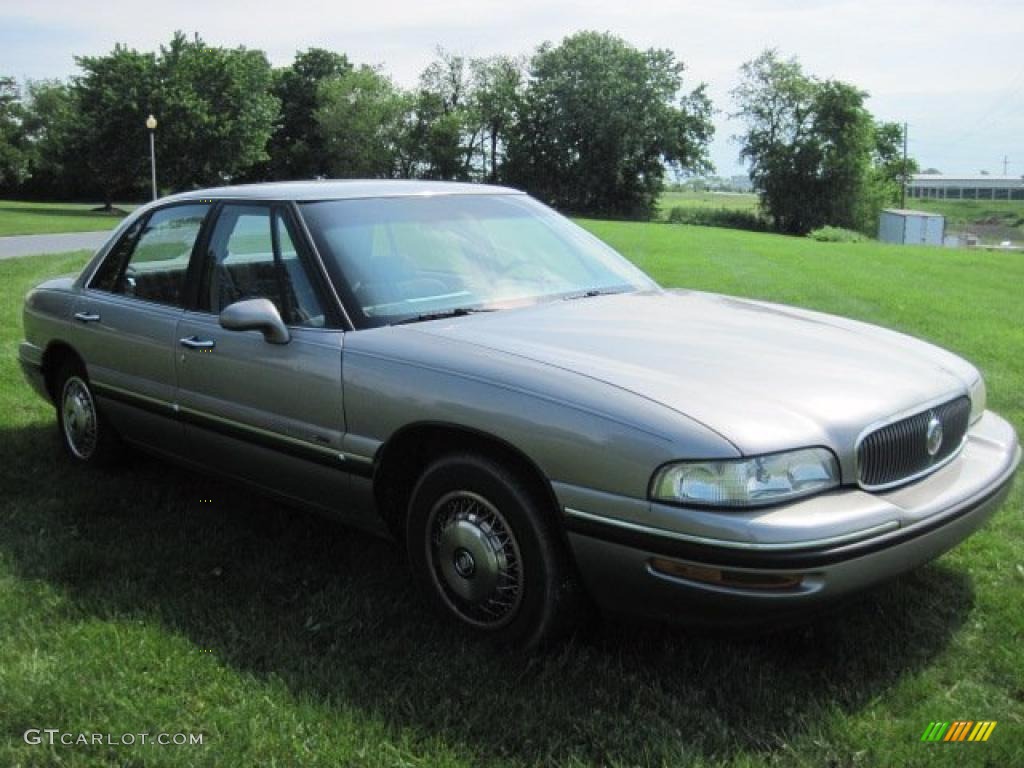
(400,258)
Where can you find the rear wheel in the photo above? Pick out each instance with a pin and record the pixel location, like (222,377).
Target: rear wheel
(483,545)
(85,434)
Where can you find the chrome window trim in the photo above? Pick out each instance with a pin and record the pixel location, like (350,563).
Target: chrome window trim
(99,293)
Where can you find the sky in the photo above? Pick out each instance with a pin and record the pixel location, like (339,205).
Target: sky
(953,70)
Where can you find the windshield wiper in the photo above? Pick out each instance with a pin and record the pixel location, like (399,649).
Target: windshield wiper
(456,312)
(592,293)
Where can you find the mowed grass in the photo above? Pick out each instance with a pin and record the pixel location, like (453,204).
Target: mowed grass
(128,604)
(31,218)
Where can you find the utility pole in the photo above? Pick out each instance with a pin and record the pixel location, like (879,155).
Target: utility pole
(1006,163)
(906,180)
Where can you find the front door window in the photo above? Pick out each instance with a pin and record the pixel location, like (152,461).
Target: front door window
(253,255)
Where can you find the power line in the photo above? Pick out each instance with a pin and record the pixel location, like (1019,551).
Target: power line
(988,116)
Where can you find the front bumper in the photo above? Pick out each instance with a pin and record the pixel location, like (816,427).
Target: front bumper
(723,567)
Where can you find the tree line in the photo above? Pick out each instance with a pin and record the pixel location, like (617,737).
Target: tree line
(816,154)
(591,125)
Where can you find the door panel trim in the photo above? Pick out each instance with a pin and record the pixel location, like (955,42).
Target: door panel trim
(127,397)
(351,463)
(318,454)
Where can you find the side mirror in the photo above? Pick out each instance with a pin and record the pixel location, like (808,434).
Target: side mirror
(256,315)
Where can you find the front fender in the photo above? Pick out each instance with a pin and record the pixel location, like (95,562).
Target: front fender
(577,430)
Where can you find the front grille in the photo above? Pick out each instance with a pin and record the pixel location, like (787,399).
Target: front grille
(899,451)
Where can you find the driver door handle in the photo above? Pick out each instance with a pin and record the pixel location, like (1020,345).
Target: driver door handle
(87,317)
(194,342)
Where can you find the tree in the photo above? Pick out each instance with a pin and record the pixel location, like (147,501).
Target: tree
(816,155)
(215,109)
(12,135)
(601,121)
(443,141)
(50,114)
(361,122)
(843,130)
(297,148)
(775,101)
(496,98)
(113,96)
(213,105)
(461,112)
(890,172)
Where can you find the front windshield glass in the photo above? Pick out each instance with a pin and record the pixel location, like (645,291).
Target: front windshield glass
(401,258)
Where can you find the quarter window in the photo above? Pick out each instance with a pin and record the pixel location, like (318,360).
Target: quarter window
(150,264)
(253,255)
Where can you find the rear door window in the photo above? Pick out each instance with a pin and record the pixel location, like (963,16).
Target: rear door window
(150,262)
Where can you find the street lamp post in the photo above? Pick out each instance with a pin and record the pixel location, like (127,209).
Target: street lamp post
(151,124)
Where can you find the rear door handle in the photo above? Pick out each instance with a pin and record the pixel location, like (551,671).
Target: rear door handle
(87,317)
(194,342)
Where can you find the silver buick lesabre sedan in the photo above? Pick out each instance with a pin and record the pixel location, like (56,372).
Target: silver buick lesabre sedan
(461,368)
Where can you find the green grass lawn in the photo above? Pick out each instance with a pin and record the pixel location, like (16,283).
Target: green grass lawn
(30,218)
(128,604)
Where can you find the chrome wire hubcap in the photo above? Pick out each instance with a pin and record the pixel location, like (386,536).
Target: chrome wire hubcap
(474,559)
(79,418)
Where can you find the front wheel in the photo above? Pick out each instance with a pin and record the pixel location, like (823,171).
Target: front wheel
(483,545)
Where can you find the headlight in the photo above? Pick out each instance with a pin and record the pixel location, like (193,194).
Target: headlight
(747,482)
(977,394)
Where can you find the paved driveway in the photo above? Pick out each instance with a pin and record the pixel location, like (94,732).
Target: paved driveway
(26,245)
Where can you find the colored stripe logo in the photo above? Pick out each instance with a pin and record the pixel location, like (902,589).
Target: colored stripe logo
(959,730)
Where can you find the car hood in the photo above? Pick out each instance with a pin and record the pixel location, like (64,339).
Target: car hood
(766,377)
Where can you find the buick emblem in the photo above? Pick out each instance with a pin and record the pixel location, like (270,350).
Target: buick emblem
(933,437)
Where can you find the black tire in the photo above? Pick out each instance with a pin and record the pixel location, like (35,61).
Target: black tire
(483,545)
(86,435)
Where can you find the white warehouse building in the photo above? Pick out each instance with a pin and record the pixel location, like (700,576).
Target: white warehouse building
(980,186)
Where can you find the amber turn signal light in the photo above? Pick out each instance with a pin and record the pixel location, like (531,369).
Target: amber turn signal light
(726,578)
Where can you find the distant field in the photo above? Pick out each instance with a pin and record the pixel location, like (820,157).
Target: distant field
(128,604)
(992,220)
(720,200)
(31,218)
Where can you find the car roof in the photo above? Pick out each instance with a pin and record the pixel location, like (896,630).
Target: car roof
(333,189)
